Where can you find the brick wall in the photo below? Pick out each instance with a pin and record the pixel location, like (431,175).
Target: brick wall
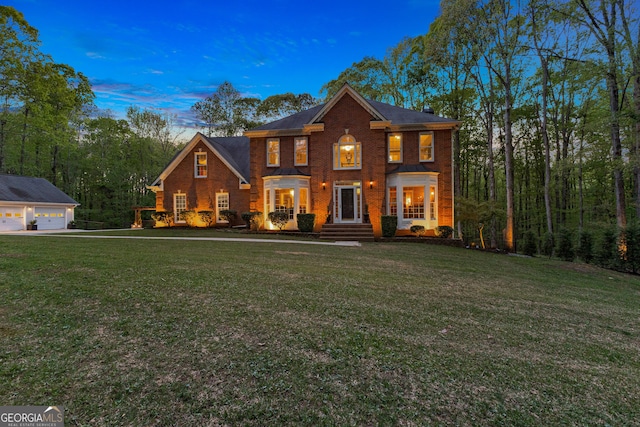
(201,192)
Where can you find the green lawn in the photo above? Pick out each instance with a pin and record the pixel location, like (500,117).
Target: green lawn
(169,332)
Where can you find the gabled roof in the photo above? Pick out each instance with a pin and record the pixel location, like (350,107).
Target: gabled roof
(233,151)
(27,189)
(385,116)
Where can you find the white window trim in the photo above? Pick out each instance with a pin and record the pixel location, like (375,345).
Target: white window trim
(176,214)
(295,153)
(294,182)
(391,135)
(218,196)
(195,164)
(433,147)
(357,161)
(268,152)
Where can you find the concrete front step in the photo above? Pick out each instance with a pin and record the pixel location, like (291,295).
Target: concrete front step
(342,232)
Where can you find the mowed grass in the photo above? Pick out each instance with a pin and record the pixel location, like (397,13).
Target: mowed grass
(204,333)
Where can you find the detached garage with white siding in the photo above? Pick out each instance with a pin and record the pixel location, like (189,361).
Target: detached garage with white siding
(24,199)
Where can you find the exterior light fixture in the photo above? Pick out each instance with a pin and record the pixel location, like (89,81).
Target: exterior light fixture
(370,184)
(324,185)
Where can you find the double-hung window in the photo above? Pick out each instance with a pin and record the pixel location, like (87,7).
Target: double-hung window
(200,168)
(426,147)
(301,151)
(273,152)
(347,153)
(395,148)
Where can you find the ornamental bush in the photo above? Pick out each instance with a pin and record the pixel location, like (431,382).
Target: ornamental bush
(306,221)
(279,219)
(418,230)
(444,231)
(229,215)
(389,225)
(190,217)
(252,219)
(208,217)
(165,218)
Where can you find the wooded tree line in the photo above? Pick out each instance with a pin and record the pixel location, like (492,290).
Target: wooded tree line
(547,93)
(51,128)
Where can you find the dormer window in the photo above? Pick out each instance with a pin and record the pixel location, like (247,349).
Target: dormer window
(200,168)
(347,153)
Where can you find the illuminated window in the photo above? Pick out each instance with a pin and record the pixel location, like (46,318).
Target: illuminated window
(201,165)
(347,153)
(301,147)
(222,203)
(18,215)
(273,152)
(393,201)
(426,147)
(432,202)
(179,206)
(284,201)
(302,204)
(395,148)
(413,202)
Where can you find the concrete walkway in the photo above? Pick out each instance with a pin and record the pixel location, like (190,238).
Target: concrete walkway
(92,235)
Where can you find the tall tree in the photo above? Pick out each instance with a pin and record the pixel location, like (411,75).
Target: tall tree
(601,18)
(226,112)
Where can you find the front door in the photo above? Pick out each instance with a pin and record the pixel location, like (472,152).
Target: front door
(347,204)
(348,197)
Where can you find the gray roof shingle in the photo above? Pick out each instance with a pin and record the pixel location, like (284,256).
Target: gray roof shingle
(235,150)
(15,188)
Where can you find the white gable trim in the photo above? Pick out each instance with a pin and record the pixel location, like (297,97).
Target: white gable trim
(158,184)
(355,95)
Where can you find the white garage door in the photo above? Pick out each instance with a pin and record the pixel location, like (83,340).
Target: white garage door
(11,218)
(50,218)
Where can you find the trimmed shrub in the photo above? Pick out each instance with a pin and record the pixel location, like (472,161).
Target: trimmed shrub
(565,245)
(389,225)
(585,247)
(208,217)
(229,215)
(279,219)
(530,245)
(306,221)
(418,230)
(190,217)
(165,218)
(252,219)
(607,253)
(444,231)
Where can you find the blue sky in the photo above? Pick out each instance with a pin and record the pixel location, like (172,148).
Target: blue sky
(167,55)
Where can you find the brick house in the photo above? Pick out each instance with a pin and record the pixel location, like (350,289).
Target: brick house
(349,161)
(208,174)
